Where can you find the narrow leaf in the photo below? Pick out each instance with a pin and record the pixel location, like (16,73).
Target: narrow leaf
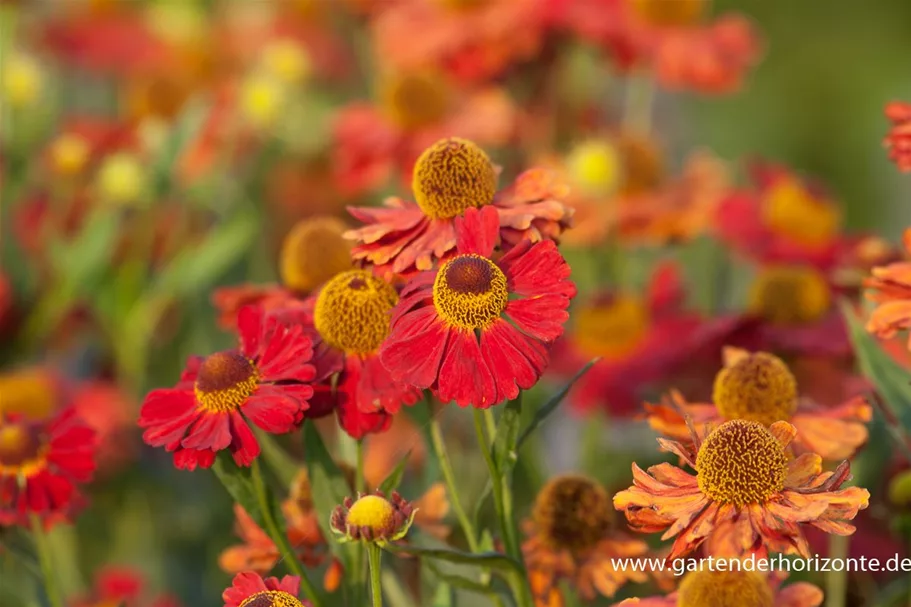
(240,485)
(551,405)
(391,482)
(485,560)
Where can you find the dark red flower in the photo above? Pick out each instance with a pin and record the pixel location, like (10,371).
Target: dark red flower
(266,380)
(41,463)
(898,141)
(248,589)
(477,331)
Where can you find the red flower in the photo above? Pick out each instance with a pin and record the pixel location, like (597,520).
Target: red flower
(477,331)
(265,381)
(118,585)
(110,413)
(449,177)
(268,591)
(41,463)
(898,141)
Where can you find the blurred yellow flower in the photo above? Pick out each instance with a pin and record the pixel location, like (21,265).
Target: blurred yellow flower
(261,100)
(121,179)
(29,392)
(287,61)
(594,167)
(23,80)
(69,153)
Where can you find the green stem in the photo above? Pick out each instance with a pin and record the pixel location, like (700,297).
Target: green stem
(46,560)
(837,581)
(374,556)
(359,483)
(278,535)
(357,559)
(439,448)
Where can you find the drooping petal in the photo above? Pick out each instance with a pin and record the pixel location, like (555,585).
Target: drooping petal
(477,231)
(464,375)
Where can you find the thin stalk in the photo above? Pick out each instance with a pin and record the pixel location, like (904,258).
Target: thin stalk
(357,559)
(837,581)
(374,558)
(278,535)
(439,447)
(46,560)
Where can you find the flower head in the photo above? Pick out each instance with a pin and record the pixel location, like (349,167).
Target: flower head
(31,392)
(451,176)
(891,290)
(898,141)
(120,585)
(249,589)
(747,495)
(373,518)
(266,380)
(312,253)
(757,387)
(476,330)
(414,99)
(41,464)
(572,537)
(790,295)
(22,83)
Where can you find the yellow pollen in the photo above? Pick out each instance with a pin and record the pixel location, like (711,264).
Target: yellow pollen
(572,513)
(225,382)
(611,328)
(759,387)
(452,175)
(792,211)
(594,167)
(373,512)
(707,588)
(669,13)
(414,99)
(790,295)
(29,392)
(22,450)
(313,252)
(470,292)
(352,311)
(69,154)
(271,598)
(741,463)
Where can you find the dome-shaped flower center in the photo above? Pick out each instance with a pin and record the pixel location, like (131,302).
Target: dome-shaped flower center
(741,463)
(470,292)
(271,598)
(572,513)
(594,167)
(313,252)
(373,512)
(452,175)
(790,295)
(22,449)
(224,382)
(724,589)
(28,392)
(669,13)
(758,387)
(414,99)
(352,311)
(643,164)
(792,211)
(611,327)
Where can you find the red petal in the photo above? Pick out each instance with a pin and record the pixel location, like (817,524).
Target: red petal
(477,231)
(249,327)
(209,431)
(244,447)
(464,375)
(414,357)
(537,269)
(541,317)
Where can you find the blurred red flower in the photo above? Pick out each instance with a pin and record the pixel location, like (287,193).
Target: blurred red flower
(898,141)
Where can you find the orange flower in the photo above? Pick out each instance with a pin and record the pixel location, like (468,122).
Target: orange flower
(898,141)
(892,286)
(472,40)
(759,387)
(733,588)
(571,538)
(747,495)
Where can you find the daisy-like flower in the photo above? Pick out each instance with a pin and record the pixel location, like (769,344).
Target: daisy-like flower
(312,252)
(477,331)
(41,464)
(373,518)
(783,219)
(733,588)
(898,141)
(640,339)
(33,392)
(571,537)
(266,380)
(759,387)
(891,290)
(350,321)
(123,586)
(249,589)
(451,176)
(747,496)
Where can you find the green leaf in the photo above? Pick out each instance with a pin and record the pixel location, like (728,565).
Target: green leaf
(196,268)
(392,482)
(239,483)
(280,462)
(504,443)
(443,596)
(551,405)
(486,560)
(460,581)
